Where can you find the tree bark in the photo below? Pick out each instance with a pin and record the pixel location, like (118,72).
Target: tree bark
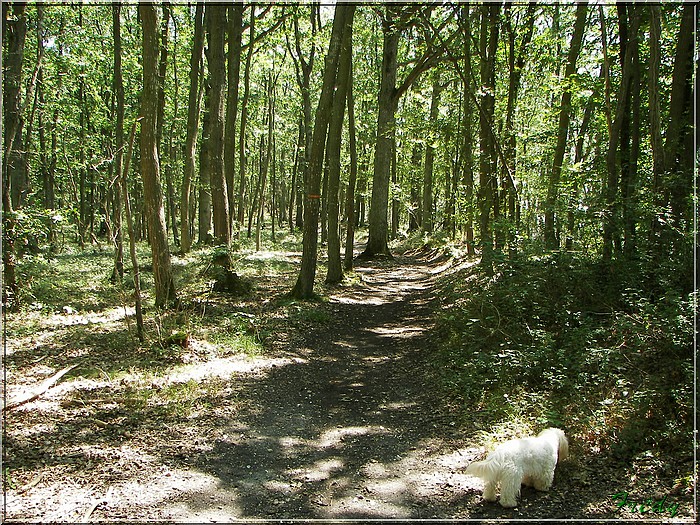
(335,132)
(215,21)
(193,106)
(14,36)
(550,238)
(118,272)
(377,244)
(430,158)
(352,179)
(244,120)
(611,219)
(487,157)
(150,167)
(235,37)
(303,289)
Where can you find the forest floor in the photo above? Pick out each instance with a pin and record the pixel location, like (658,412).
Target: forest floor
(339,416)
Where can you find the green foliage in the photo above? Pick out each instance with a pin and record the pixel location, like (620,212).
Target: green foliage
(560,340)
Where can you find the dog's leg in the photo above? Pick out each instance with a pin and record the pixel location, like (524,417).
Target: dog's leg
(544,482)
(490,491)
(510,490)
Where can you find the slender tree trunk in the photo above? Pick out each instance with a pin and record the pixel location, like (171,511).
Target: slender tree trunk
(266,161)
(550,238)
(244,120)
(150,167)
(235,37)
(303,289)
(215,21)
(679,148)
(428,225)
(611,220)
(118,272)
(629,174)
(467,155)
(335,132)
(193,106)
(204,216)
(132,235)
(352,179)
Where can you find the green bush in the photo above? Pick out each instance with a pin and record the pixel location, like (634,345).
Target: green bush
(567,340)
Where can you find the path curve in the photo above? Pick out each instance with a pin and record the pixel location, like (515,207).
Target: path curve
(352,427)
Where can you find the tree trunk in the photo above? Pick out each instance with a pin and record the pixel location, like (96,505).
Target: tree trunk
(150,168)
(550,238)
(303,289)
(204,216)
(678,148)
(193,106)
(428,225)
(215,21)
(235,37)
(611,220)
(352,179)
(244,120)
(335,132)
(487,158)
(118,272)
(132,235)
(467,155)
(266,161)
(14,36)
(386,128)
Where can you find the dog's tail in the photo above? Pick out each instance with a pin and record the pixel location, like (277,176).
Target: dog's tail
(487,469)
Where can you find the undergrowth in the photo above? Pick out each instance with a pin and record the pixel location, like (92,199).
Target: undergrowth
(563,340)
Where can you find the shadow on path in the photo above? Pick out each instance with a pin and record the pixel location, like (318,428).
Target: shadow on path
(348,429)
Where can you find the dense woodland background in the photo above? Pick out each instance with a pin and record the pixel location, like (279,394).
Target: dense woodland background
(554,142)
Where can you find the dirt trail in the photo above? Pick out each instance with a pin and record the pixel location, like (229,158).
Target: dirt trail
(351,427)
(341,421)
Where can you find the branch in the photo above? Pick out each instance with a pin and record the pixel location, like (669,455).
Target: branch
(40,390)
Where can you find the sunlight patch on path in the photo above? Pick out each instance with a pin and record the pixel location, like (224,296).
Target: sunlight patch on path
(226,367)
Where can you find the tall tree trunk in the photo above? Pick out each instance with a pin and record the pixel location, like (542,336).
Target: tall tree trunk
(550,237)
(14,36)
(235,37)
(611,219)
(629,176)
(430,157)
(335,132)
(244,120)
(150,167)
(303,289)
(487,157)
(193,106)
(679,152)
(386,124)
(266,161)
(118,272)
(123,182)
(516,63)
(204,217)
(215,21)
(352,179)
(303,68)
(657,144)
(467,155)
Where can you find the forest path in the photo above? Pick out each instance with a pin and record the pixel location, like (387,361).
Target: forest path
(351,426)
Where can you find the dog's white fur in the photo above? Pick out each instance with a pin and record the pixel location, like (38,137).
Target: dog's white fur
(529,461)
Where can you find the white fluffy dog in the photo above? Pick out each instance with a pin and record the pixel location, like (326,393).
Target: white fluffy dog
(529,461)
